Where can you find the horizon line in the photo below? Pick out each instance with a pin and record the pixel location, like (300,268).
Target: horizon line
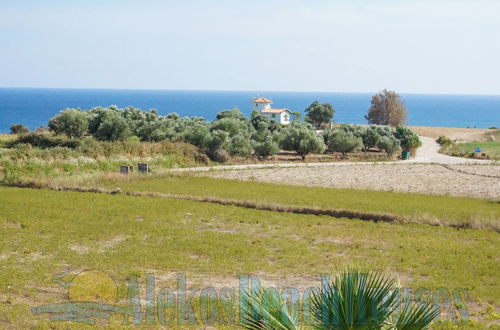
(245,90)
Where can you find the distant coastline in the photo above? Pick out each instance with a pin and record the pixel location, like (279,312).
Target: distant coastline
(34,106)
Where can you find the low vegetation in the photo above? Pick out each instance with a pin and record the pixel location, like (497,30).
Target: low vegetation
(57,158)
(488,149)
(352,299)
(419,208)
(57,232)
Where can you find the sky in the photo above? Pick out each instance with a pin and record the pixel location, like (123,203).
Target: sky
(411,46)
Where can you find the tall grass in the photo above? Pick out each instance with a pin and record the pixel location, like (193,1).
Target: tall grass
(23,161)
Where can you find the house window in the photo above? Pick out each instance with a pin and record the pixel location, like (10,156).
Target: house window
(274,115)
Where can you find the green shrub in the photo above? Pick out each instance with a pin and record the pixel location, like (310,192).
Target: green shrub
(408,138)
(44,141)
(343,142)
(389,144)
(219,155)
(71,122)
(19,129)
(301,138)
(444,141)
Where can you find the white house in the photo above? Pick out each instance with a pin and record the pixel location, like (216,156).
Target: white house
(281,116)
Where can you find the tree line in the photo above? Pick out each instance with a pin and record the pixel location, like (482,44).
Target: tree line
(231,133)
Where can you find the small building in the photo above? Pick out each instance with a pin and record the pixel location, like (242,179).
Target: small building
(280,115)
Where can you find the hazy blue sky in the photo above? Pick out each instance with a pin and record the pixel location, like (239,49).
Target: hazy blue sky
(420,46)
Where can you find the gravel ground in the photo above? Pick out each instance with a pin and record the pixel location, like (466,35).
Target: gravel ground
(415,178)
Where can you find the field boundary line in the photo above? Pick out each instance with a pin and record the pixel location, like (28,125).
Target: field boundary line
(448,167)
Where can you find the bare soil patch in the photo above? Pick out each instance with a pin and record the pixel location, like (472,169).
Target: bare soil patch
(454,133)
(413,178)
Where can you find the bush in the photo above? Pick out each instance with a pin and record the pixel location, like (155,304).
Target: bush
(408,139)
(318,113)
(219,155)
(202,158)
(113,128)
(240,145)
(343,142)
(301,138)
(44,141)
(369,137)
(444,141)
(389,144)
(265,143)
(266,148)
(19,129)
(73,123)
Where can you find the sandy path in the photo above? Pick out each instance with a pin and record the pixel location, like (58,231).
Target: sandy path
(429,153)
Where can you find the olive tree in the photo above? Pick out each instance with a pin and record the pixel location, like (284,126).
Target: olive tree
(73,123)
(113,127)
(387,108)
(301,138)
(318,113)
(389,144)
(370,138)
(408,139)
(265,142)
(342,141)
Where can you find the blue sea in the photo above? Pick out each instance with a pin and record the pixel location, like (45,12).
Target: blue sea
(33,107)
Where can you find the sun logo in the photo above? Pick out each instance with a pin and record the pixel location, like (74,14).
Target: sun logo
(92,295)
(93,286)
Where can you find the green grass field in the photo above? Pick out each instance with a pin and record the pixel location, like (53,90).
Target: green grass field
(46,233)
(492,149)
(416,206)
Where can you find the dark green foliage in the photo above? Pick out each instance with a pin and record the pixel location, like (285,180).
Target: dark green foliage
(444,141)
(219,155)
(370,137)
(19,129)
(44,141)
(343,141)
(197,132)
(266,310)
(367,300)
(258,120)
(408,139)
(389,144)
(233,114)
(265,142)
(351,300)
(113,127)
(231,132)
(302,138)
(71,122)
(318,113)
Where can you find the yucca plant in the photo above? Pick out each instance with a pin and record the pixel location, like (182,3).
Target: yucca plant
(353,299)
(266,310)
